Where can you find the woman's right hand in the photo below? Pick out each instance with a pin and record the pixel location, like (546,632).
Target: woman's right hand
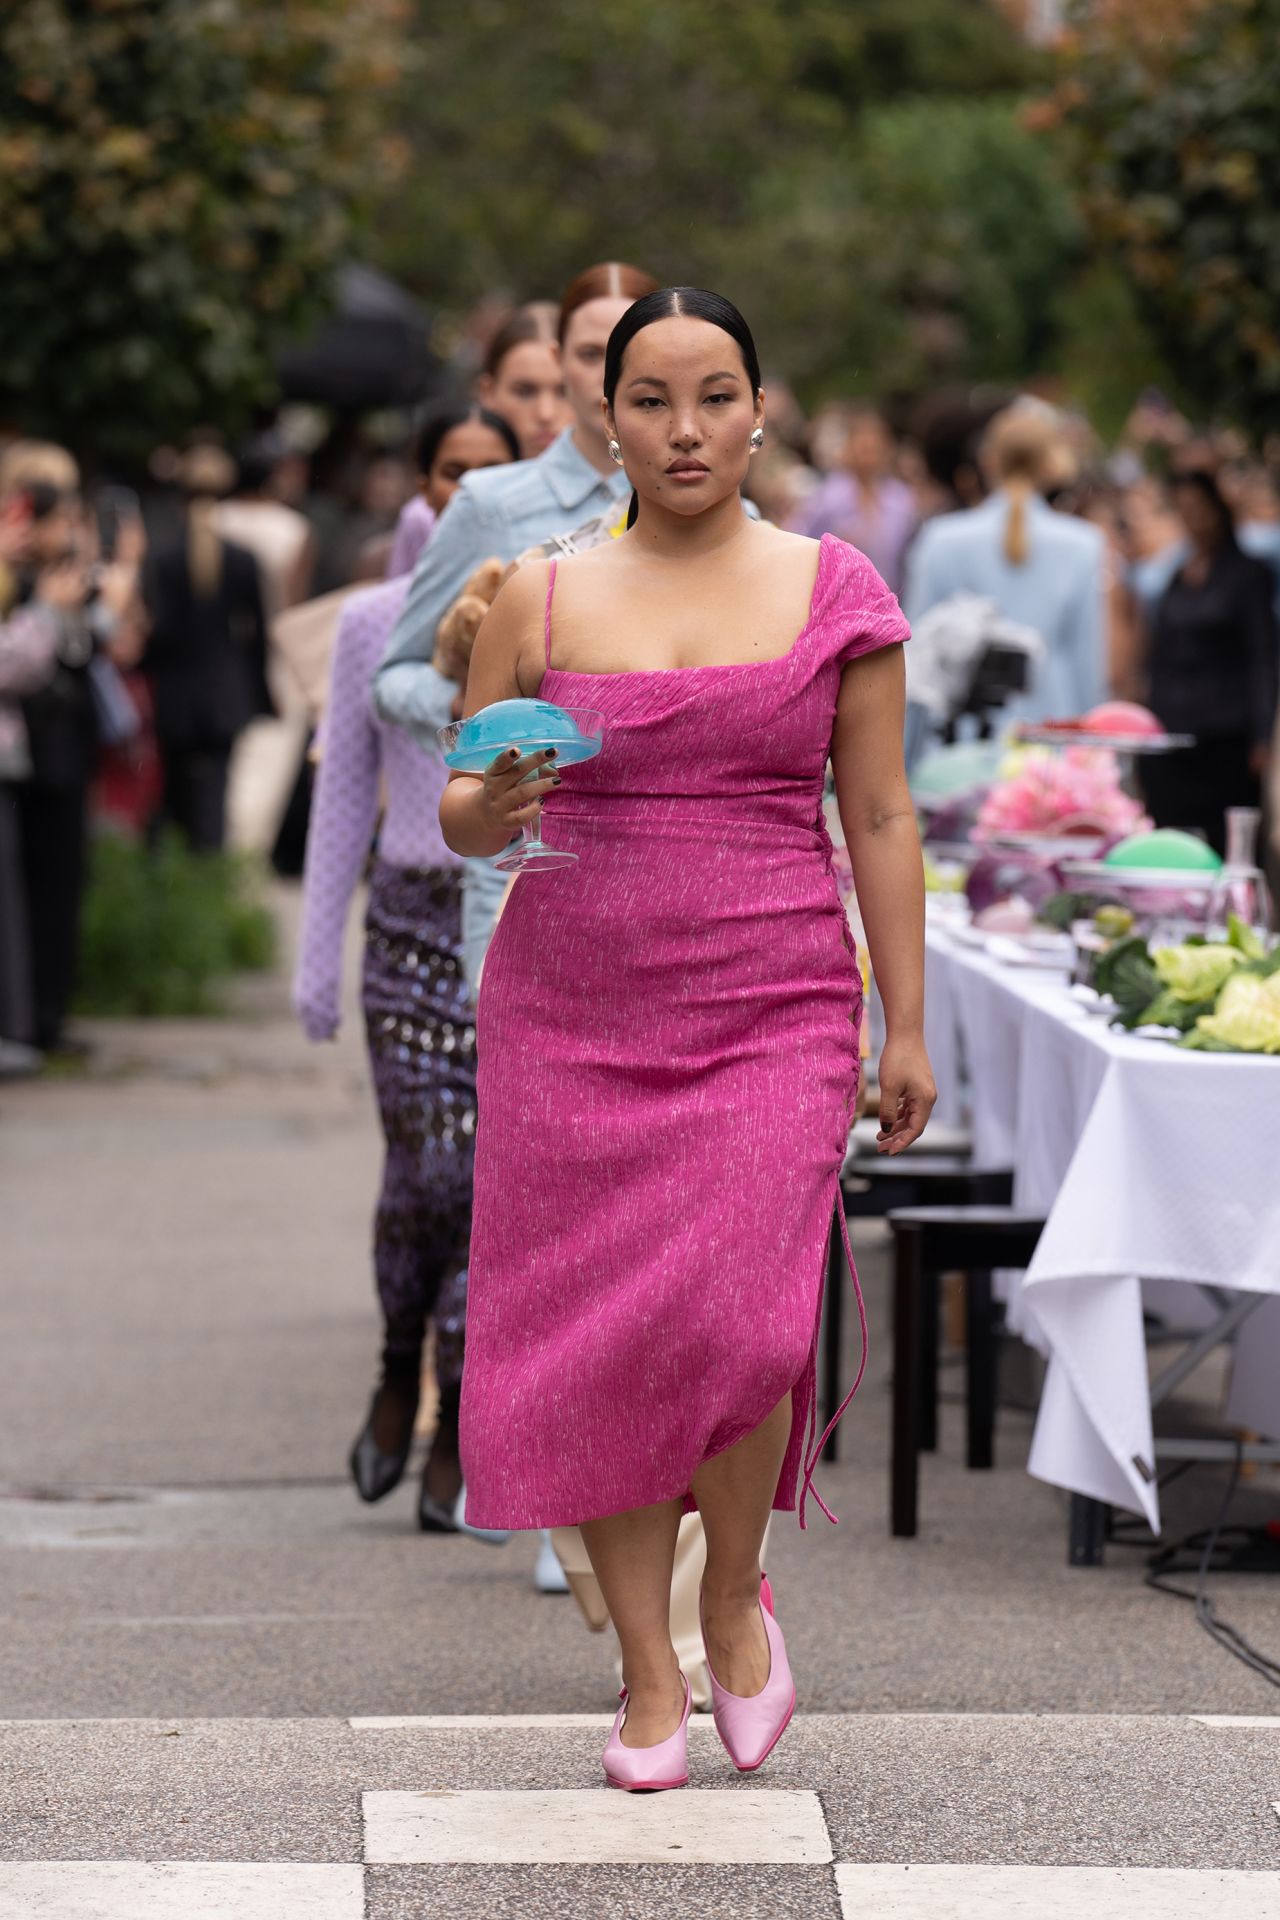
(509,799)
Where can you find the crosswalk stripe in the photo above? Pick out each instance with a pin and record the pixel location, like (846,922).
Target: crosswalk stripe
(1055,1893)
(479,1722)
(595,1828)
(1252,1722)
(178,1890)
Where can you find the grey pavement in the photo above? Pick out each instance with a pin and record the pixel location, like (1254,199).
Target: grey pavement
(193,1602)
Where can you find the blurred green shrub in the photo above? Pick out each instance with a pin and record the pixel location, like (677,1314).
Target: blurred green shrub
(164,928)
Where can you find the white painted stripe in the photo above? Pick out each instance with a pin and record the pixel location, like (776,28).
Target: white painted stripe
(595,1828)
(1055,1893)
(1254,1722)
(474,1722)
(178,1890)
(492,1722)
(481,1722)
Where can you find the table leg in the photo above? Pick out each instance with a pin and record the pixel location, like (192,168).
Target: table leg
(905,1439)
(1087,1531)
(981,1354)
(930,1316)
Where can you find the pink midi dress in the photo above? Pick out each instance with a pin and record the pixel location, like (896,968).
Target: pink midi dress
(668,1070)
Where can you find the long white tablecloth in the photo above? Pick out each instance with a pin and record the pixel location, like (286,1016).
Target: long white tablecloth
(1145,1161)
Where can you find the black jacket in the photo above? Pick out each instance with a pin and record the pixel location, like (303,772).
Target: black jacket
(206,656)
(1215,651)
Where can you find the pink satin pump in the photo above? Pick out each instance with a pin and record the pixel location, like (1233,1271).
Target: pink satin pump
(649,1769)
(752,1725)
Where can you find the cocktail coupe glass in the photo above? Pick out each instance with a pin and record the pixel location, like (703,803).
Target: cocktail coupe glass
(532,726)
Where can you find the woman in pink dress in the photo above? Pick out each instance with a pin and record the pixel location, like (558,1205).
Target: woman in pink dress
(669,1029)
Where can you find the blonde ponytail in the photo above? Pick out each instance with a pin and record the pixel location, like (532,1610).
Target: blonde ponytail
(205,472)
(1017,541)
(1016,451)
(204,549)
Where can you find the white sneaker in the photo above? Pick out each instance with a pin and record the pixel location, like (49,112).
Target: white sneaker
(548,1575)
(491,1536)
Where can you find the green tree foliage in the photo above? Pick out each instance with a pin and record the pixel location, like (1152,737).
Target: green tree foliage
(743,144)
(177,179)
(1171,119)
(928,250)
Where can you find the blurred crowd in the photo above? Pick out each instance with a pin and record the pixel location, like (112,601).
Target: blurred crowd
(165,647)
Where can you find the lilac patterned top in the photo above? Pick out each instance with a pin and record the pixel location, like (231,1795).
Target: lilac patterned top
(414,528)
(360,756)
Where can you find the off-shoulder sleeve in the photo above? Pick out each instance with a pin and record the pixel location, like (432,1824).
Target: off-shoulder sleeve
(864,612)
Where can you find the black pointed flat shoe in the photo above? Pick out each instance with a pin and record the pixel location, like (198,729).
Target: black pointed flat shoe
(375,1471)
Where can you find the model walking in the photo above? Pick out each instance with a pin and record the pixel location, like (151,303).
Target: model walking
(670,1053)
(418,1011)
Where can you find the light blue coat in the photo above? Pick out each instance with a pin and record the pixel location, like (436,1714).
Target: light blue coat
(497,512)
(1059,590)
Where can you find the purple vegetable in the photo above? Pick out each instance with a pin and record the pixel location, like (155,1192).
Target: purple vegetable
(999,876)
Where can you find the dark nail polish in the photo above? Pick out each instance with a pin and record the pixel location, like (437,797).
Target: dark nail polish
(551,753)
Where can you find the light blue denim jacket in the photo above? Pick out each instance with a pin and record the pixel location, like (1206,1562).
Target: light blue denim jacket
(496,512)
(1058,590)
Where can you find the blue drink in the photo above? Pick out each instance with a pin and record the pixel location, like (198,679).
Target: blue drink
(532,726)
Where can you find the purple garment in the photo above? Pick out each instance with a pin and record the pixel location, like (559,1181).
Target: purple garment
(361,757)
(413,530)
(880,527)
(420,1024)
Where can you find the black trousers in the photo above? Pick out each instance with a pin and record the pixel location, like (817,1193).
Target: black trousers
(195,794)
(53,826)
(17,1013)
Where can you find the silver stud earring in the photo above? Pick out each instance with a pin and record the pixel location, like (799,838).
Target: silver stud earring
(757,438)
(615,452)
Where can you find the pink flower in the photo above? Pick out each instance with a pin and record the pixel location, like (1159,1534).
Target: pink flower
(1052,793)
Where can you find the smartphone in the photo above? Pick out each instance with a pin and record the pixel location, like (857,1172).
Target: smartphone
(113,506)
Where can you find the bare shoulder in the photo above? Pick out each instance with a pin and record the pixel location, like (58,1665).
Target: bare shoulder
(800,547)
(508,647)
(797,553)
(595,562)
(524,591)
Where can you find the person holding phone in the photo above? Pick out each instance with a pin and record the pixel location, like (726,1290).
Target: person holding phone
(70,611)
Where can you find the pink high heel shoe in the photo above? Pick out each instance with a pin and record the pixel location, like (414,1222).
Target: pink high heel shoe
(649,1769)
(751,1725)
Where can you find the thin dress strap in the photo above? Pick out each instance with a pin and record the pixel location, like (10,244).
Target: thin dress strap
(546,623)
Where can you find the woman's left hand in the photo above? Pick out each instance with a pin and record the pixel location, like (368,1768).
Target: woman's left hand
(907,1094)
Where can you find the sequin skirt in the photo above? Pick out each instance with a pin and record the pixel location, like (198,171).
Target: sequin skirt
(419,1014)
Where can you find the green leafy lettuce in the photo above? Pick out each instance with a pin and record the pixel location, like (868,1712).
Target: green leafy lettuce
(1246,1018)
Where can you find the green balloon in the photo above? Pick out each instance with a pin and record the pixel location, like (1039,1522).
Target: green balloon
(1166,847)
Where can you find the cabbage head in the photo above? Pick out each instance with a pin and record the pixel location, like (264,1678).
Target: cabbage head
(1246,1019)
(1195,973)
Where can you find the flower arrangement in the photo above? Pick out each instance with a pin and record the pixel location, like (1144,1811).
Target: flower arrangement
(1045,792)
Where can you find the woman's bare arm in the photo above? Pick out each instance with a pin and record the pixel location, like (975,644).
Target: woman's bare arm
(884,846)
(479,814)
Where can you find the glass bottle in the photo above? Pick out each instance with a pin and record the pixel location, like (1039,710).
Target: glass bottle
(1242,886)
